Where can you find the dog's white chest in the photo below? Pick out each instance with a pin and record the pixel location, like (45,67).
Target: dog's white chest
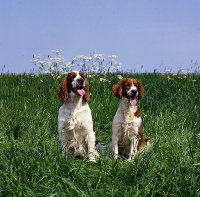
(130,129)
(126,122)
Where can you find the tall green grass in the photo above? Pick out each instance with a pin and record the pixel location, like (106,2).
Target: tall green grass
(32,165)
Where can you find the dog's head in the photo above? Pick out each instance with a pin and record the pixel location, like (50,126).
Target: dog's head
(74,83)
(129,88)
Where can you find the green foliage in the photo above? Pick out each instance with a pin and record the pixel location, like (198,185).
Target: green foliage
(32,165)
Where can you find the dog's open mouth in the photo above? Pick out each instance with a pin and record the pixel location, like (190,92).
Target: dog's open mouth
(132,100)
(79,90)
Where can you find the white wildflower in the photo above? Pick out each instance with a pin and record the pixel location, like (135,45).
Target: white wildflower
(42,63)
(89,76)
(119,77)
(103,80)
(113,56)
(181,72)
(99,56)
(67,65)
(61,70)
(59,76)
(56,60)
(46,72)
(168,71)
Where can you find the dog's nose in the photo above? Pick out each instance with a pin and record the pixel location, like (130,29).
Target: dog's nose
(133,91)
(80,81)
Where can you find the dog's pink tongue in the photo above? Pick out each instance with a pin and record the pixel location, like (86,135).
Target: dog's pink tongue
(81,92)
(132,101)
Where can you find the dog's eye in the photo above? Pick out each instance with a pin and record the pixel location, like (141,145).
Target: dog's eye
(71,78)
(127,85)
(81,74)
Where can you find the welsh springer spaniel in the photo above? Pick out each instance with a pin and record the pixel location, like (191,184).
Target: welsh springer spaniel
(75,126)
(127,134)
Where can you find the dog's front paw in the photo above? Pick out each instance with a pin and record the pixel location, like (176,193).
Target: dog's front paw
(92,156)
(131,157)
(92,159)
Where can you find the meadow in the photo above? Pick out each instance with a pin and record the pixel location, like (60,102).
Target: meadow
(32,165)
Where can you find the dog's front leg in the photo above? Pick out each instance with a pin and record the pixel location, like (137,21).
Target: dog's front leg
(135,144)
(133,147)
(62,141)
(115,146)
(92,153)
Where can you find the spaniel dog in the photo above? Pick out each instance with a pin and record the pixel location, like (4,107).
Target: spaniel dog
(127,134)
(75,126)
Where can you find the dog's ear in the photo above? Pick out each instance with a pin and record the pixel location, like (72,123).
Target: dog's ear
(117,90)
(63,94)
(140,89)
(87,94)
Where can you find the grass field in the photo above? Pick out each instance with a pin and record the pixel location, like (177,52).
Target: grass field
(32,165)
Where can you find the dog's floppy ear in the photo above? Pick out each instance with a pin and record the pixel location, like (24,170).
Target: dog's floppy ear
(87,94)
(63,94)
(140,89)
(117,90)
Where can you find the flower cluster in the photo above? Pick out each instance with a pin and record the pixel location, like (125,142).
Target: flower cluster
(55,65)
(94,63)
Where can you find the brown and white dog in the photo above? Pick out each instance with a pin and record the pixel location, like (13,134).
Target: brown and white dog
(127,133)
(75,125)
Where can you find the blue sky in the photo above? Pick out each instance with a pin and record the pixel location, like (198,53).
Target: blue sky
(144,34)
